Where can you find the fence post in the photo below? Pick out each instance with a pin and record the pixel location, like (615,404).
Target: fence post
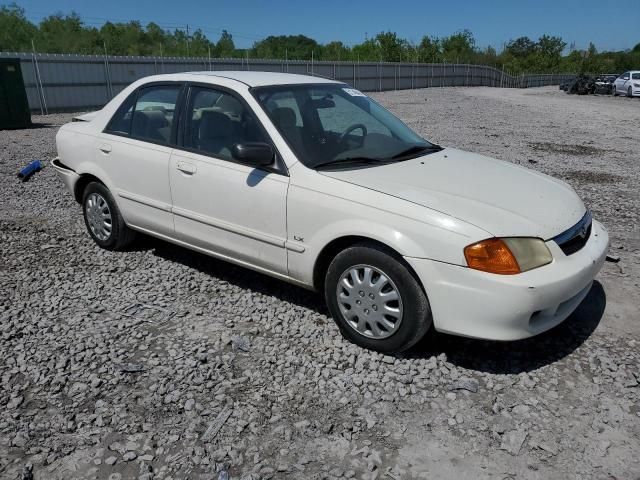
(395,78)
(413,73)
(106,73)
(35,78)
(43,100)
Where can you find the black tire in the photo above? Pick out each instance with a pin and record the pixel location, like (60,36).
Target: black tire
(629,94)
(614,91)
(120,235)
(416,316)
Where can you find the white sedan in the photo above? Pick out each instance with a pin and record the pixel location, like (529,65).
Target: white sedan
(627,84)
(312,182)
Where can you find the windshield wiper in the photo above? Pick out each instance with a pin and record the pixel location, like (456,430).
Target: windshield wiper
(353,161)
(417,149)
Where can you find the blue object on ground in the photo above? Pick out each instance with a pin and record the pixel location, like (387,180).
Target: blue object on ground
(29,170)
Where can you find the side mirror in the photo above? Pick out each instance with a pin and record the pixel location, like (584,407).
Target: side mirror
(256,154)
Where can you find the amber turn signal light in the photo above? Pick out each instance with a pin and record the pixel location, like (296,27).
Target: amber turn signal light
(493,256)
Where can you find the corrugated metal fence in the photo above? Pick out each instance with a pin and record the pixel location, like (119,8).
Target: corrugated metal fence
(77,82)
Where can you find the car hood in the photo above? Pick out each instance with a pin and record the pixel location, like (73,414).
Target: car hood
(502,198)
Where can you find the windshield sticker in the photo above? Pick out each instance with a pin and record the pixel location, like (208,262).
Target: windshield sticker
(353,92)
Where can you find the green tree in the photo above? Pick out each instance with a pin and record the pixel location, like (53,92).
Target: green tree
(334,51)
(429,49)
(225,47)
(66,34)
(16,31)
(521,47)
(391,46)
(292,47)
(367,51)
(460,46)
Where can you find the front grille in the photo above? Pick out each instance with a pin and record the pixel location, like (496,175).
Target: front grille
(573,239)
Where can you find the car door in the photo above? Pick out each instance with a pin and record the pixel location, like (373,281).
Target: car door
(621,82)
(219,204)
(135,149)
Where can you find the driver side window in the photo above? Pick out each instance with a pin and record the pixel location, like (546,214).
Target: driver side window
(216,121)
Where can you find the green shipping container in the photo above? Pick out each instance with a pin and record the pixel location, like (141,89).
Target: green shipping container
(14,107)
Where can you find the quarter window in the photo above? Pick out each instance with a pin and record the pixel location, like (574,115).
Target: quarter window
(216,121)
(120,123)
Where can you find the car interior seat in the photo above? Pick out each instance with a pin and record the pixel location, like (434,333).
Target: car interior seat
(216,134)
(151,124)
(285,119)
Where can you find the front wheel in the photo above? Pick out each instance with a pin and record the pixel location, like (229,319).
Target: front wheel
(629,92)
(103,218)
(376,300)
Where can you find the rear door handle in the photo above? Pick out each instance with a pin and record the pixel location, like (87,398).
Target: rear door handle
(105,148)
(188,168)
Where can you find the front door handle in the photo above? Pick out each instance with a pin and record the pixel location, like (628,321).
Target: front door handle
(188,168)
(105,148)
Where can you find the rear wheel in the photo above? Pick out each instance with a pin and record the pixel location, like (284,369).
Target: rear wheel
(614,91)
(375,299)
(103,218)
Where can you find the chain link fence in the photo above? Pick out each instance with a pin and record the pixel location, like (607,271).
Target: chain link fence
(80,82)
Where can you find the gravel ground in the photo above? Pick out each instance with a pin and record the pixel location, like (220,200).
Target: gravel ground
(161,363)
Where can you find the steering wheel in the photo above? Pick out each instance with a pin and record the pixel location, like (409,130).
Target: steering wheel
(351,128)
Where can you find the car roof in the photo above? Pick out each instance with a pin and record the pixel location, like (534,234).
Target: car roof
(252,79)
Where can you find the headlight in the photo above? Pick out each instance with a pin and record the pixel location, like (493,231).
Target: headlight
(637,85)
(507,256)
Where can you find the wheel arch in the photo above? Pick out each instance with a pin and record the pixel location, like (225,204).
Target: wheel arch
(80,186)
(337,245)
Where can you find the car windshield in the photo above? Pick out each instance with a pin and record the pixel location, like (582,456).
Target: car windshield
(635,76)
(332,125)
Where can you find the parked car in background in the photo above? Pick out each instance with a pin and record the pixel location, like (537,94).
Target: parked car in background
(627,84)
(312,182)
(604,83)
(565,85)
(581,85)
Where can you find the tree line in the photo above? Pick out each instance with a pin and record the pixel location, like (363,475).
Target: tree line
(67,33)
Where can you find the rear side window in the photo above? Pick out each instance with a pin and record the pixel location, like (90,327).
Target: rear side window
(149,116)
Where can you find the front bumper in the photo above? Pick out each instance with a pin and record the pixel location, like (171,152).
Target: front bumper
(510,307)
